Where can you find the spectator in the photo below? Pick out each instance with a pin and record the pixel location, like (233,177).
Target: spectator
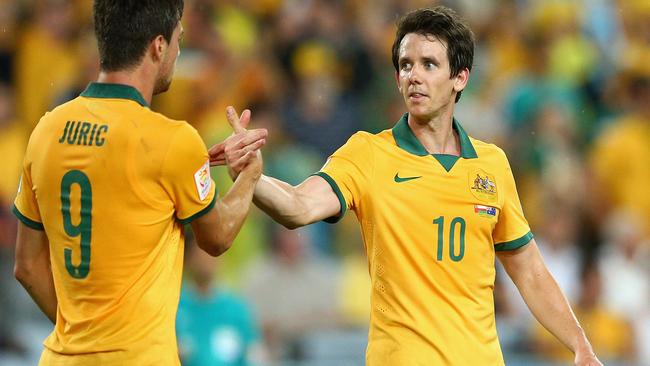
(213,326)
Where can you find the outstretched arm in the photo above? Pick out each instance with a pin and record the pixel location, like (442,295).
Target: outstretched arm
(216,230)
(292,206)
(32,268)
(545,300)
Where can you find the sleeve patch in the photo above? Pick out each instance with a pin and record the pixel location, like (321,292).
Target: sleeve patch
(203,181)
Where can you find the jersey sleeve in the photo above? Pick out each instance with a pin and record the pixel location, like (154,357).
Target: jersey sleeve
(512,230)
(25,204)
(186,175)
(348,172)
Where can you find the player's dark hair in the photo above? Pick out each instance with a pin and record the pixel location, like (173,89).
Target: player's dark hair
(444,24)
(124,28)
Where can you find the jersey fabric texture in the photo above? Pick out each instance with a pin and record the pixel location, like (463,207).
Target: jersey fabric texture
(112,183)
(215,329)
(431,225)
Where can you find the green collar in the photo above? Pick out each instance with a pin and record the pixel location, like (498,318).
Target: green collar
(406,140)
(118,91)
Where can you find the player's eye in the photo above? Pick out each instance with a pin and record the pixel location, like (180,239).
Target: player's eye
(405,66)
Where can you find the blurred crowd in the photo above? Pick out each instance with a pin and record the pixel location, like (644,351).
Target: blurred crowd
(563,86)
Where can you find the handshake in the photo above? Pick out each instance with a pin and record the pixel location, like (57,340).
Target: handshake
(241,151)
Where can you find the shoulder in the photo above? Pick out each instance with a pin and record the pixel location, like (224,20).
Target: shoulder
(488,151)
(358,145)
(367,139)
(178,132)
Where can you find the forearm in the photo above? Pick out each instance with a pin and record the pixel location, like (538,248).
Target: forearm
(281,201)
(37,280)
(551,308)
(233,207)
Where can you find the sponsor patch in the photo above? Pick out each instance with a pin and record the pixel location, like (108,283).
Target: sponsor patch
(203,180)
(485,211)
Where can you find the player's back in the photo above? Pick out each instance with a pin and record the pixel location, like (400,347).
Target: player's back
(98,167)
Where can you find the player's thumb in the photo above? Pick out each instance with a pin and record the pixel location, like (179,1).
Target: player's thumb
(233,120)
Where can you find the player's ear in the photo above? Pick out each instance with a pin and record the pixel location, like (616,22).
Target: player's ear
(158,47)
(460,80)
(399,87)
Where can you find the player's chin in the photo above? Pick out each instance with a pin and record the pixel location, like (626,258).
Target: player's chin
(162,86)
(418,110)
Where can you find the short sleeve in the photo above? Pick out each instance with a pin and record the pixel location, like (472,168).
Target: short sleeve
(348,172)
(25,204)
(512,230)
(186,175)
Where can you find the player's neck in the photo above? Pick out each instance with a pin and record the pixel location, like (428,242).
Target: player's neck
(138,78)
(436,134)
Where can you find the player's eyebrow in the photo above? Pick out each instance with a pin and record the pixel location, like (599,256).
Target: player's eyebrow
(403,60)
(431,59)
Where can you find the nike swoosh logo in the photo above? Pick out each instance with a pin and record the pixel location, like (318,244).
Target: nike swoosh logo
(399,179)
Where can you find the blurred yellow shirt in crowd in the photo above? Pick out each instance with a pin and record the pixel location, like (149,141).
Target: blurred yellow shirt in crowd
(621,161)
(45,69)
(431,226)
(13,139)
(112,184)
(610,337)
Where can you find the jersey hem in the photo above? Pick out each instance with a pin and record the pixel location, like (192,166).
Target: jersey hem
(339,195)
(514,244)
(27,221)
(200,213)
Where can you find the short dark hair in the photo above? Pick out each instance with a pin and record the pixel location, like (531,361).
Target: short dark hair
(444,24)
(124,28)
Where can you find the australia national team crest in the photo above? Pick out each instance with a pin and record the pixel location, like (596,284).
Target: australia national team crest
(483,186)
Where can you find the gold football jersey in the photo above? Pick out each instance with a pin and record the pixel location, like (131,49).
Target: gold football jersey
(431,225)
(112,183)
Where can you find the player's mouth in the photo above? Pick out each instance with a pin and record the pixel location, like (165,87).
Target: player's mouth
(416,96)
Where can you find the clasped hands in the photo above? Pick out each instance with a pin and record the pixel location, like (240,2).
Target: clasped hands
(241,150)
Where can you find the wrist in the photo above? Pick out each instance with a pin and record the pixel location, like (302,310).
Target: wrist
(583,346)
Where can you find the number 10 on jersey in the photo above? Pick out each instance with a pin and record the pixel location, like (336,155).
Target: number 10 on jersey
(451,242)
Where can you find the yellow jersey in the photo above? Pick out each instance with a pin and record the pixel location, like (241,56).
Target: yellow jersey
(431,225)
(620,160)
(112,183)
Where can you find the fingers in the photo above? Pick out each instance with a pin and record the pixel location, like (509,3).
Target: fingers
(218,160)
(249,137)
(217,149)
(245,118)
(234,120)
(238,151)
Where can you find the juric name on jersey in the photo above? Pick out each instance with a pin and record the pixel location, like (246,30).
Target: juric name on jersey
(83,133)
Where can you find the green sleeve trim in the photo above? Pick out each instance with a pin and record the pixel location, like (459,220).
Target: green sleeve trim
(335,188)
(28,222)
(200,213)
(514,244)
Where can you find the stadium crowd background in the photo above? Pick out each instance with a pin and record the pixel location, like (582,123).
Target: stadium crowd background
(562,85)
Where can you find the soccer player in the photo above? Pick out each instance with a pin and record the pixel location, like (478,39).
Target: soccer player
(435,208)
(106,187)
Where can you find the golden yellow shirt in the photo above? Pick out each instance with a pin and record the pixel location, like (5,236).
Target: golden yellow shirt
(431,225)
(13,139)
(621,160)
(112,184)
(46,67)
